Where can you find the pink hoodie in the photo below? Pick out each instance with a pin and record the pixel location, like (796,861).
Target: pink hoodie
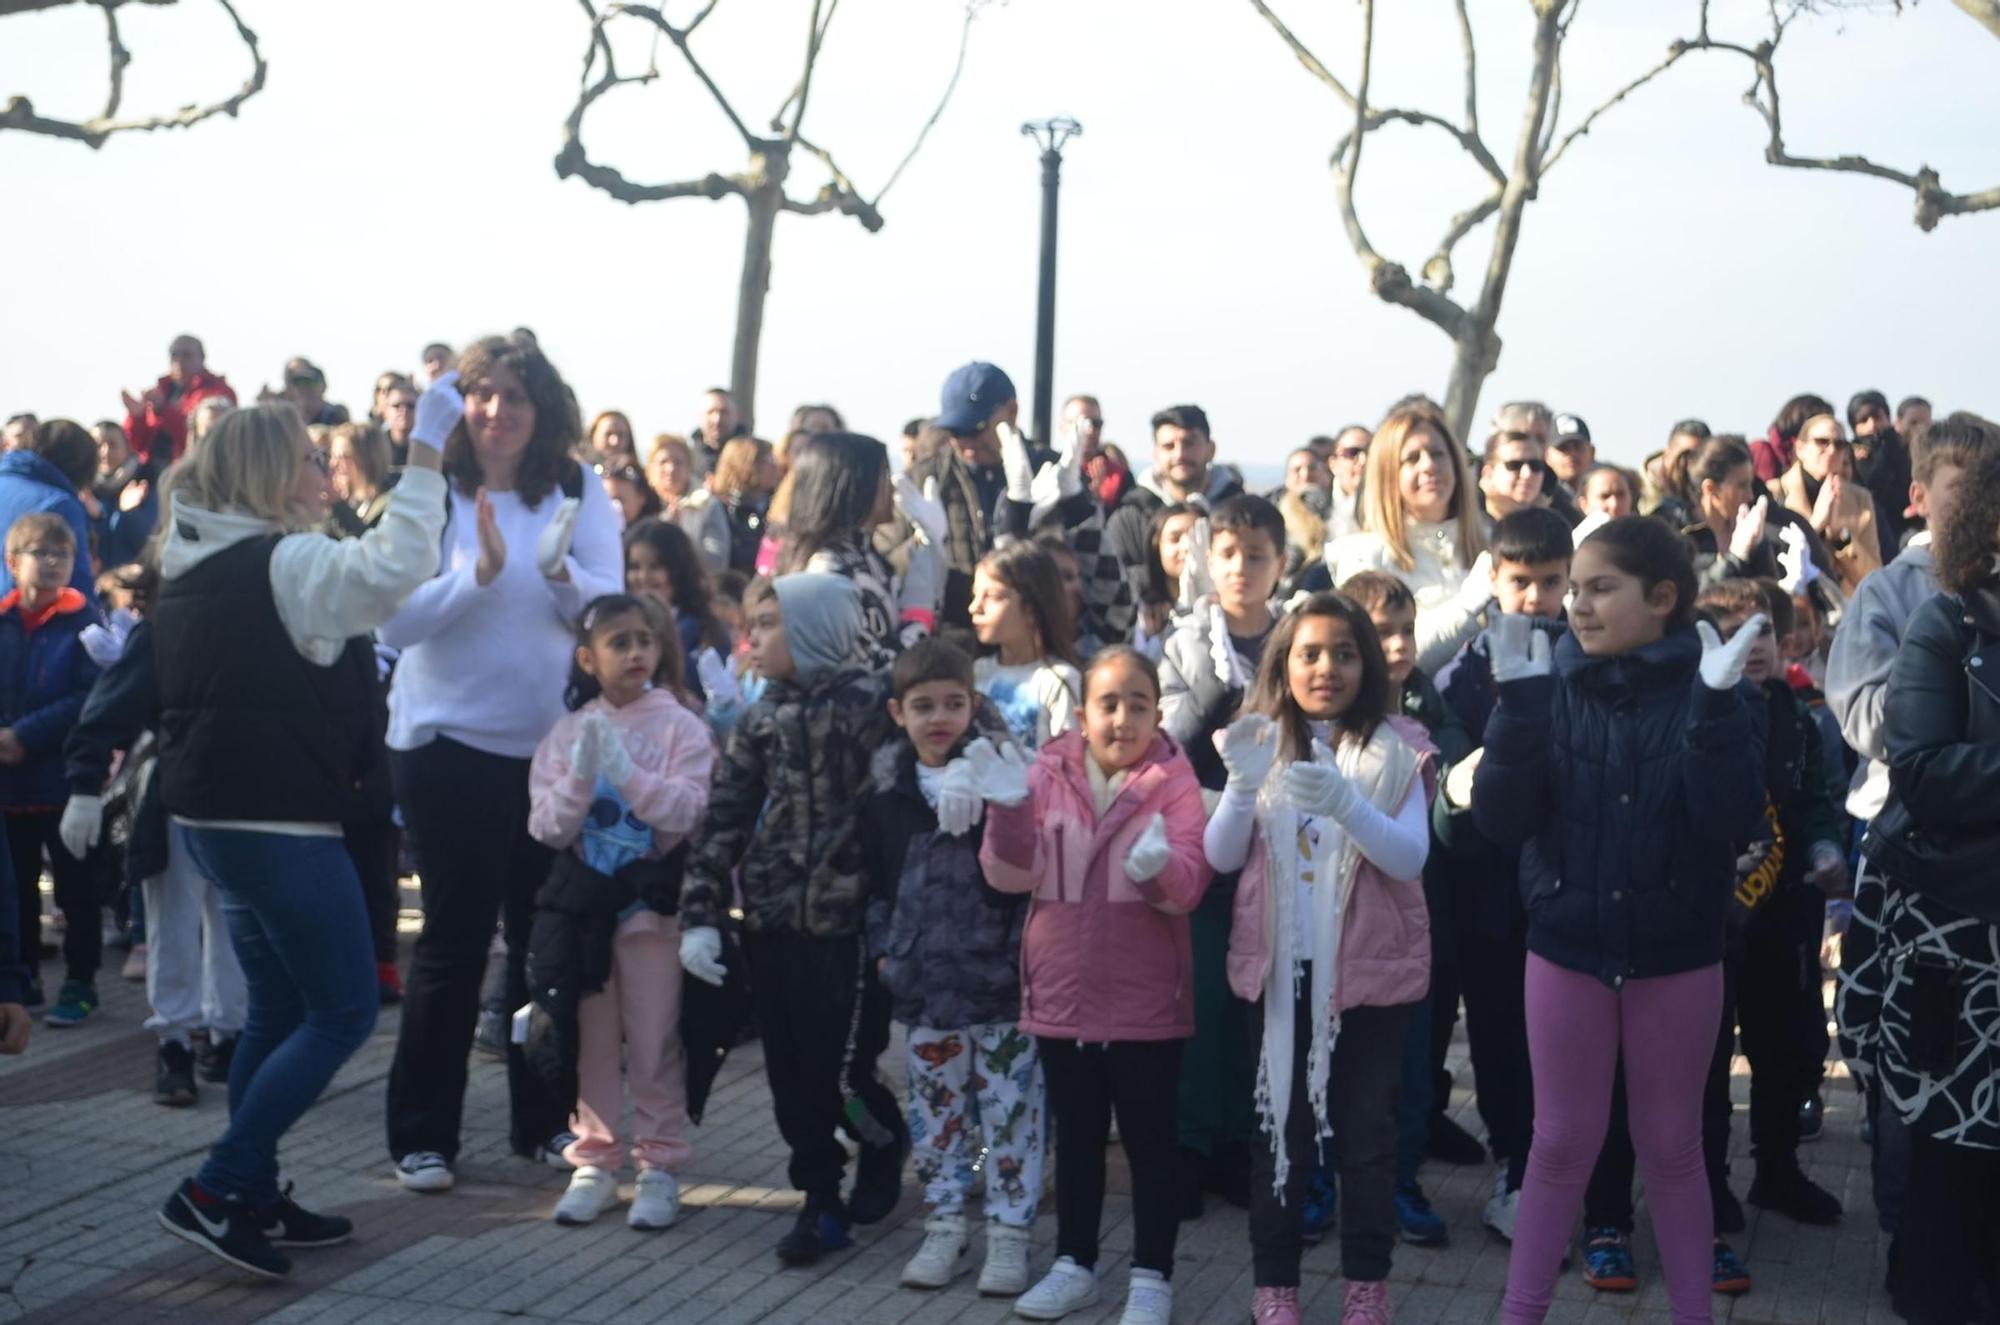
(1102,958)
(672,756)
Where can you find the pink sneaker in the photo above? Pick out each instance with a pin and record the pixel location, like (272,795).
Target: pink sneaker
(1366,1304)
(1275,1306)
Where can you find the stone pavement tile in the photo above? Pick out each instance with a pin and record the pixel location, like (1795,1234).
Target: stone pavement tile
(1423,1304)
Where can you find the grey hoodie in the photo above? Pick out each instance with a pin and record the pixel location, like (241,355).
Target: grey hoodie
(1857,671)
(822,615)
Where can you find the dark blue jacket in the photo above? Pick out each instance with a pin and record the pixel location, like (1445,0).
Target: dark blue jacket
(123,705)
(1629,782)
(30,485)
(121,534)
(44,678)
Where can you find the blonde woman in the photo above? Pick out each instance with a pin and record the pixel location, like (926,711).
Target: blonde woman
(1820,487)
(670,470)
(1420,523)
(725,516)
(358,466)
(266,675)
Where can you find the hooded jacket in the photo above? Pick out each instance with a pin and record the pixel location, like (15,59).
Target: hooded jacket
(1857,668)
(45,676)
(30,485)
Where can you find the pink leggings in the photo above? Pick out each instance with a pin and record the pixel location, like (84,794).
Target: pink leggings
(1575,1026)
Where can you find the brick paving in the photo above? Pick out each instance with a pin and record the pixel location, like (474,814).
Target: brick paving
(88,1157)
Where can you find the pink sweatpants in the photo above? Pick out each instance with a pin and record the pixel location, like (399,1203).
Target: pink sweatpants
(639,1008)
(1576,1024)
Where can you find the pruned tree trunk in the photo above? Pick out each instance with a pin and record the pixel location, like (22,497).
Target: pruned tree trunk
(1475,353)
(763,201)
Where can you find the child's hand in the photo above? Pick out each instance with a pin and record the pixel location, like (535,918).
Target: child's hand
(1722,664)
(717,681)
(613,760)
(1248,747)
(552,548)
(1795,563)
(1002,774)
(923,585)
(1518,650)
(585,751)
(701,955)
(1458,782)
(959,804)
(11,750)
(1319,787)
(1150,853)
(82,824)
(1228,669)
(1476,594)
(923,510)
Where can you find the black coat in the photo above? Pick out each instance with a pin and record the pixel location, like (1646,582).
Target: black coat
(1629,782)
(123,705)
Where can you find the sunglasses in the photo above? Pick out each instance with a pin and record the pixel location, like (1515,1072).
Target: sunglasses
(1519,464)
(1350,453)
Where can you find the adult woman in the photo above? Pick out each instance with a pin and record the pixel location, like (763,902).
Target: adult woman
(1774,452)
(736,488)
(1421,524)
(670,471)
(1820,487)
(266,678)
(358,469)
(486,651)
(1718,483)
(611,440)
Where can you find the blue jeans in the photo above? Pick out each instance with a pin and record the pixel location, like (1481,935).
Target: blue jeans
(300,928)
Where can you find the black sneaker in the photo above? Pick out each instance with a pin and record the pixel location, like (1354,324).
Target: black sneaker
(173,1076)
(878,1180)
(214,1058)
(1786,1189)
(1452,1143)
(224,1229)
(821,1228)
(286,1224)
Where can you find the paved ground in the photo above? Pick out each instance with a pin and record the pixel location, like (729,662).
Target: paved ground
(88,1157)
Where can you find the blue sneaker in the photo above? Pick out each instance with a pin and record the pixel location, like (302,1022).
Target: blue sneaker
(1731,1275)
(1421,1225)
(1319,1212)
(1607,1261)
(821,1227)
(75,1003)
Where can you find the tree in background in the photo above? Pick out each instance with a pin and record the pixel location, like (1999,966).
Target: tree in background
(1539,143)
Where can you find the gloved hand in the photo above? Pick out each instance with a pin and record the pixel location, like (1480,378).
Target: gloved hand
(1002,775)
(923,510)
(586,752)
(1589,525)
(1228,669)
(1829,869)
(923,585)
(1722,664)
(1518,650)
(1749,530)
(1069,461)
(701,955)
(1795,563)
(105,642)
(1458,782)
(717,681)
(1195,582)
(1248,746)
(1476,594)
(959,804)
(1150,853)
(1016,463)
(552,548)
(614,761)
(82,824)
(439,409)
(1319,787)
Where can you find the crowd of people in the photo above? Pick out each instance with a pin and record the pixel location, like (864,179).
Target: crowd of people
(1134,797)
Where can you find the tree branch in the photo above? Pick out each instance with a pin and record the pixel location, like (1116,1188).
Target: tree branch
(972,8)
(1304,56)
(1674,53)
(815,38)
(1470,54)
(679,37)
(1986,13)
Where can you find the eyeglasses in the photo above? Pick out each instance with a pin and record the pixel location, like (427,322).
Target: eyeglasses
(1822,443)
(48,556)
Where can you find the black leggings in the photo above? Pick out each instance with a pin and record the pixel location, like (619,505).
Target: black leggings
(77,895)
(1139,1079)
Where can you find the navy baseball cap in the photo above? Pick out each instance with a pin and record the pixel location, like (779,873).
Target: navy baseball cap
(971,396)
(1570,428)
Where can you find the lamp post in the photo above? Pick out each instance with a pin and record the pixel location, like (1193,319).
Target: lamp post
(1050,136)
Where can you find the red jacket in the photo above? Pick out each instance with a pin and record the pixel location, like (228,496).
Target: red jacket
(166,416)
(1771,455)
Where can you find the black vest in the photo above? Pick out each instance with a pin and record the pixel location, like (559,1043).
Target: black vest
(249,728)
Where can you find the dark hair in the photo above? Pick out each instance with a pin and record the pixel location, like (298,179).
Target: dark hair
(1191,417)
(915,426)
(1245,512)
(1158,588)
(1691,428)
(1377,591)
(68,446)
(1742,598)
(649,500)
(434,345)
(1031,573)
(1650,551)
(929,660)
(557,427)
(583,687)
(1125,653)
(1908,403)
(799,416)
(1531,536)
(1861,400)
(1965,542)
(1713,461)
(1496,440)
(1794,413)
(1959,438)
(836,480)
(732,584)
(687,577)
(1271,692)
(1625,476)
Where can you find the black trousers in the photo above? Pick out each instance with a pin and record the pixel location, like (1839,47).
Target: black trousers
(77,890)
(1489,971)
(1366,1072)
(1783,1019)
(804,989)
(467,813)
(1950,1235)
(371,844)
(1137,1078)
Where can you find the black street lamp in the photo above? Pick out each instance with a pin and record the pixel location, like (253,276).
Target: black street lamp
(1049,135)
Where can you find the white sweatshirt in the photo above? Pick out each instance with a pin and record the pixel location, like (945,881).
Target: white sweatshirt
(486,666)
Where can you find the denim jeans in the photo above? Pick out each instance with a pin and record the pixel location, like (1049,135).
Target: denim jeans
(300,929)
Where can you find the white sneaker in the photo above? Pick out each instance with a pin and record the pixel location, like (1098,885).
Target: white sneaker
(1503,1207)
(1005,1273)
(1149,1299)
(1065,1288)
(656,1201)
(940,1258)
(591,1192)
(424,1171)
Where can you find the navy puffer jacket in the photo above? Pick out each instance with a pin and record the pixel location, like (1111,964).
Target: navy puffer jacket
(1629,784)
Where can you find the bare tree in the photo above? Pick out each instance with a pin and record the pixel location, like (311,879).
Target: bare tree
(19,113)
(1539,145)
(761,184)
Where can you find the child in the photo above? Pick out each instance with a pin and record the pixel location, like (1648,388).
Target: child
(1160,578)
(1069,569)
(785,809)
(616,786)
(1105,831)
(1020,611)
(1326,814)
(948,950)
(661,564)
(45,675)
(1627,766)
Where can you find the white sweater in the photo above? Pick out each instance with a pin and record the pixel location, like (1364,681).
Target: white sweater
(486,666)
(1444,624)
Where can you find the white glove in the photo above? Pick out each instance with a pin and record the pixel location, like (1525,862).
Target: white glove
(717,681)
(1045,492)
(923,510)
(586,752)
(1150,853)
(923,580)
(1749,530)
(439,409)
(1458,782)
(1015,461)
(1248,746)
(1477,591)
(1319,787)
(82,824)
(1069,461)
(105,642)
(1518,650)
(701,955)
(959,804)
(1795,563)
(1722,664)
(1589,525)
(1228,668)
(1002,775)
(614,761)
(1195,581)
(552,548)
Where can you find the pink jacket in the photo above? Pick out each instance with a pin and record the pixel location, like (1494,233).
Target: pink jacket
(1385,933)
(672,757)
(1102,958)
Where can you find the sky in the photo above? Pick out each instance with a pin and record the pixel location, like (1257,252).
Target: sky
(394,185)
